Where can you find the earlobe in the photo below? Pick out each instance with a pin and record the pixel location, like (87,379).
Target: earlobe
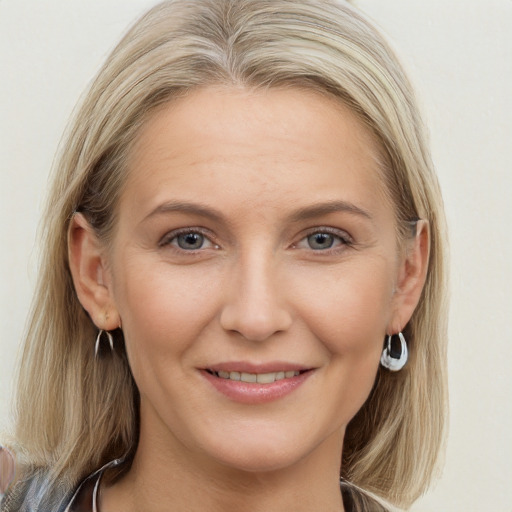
(411,276)
(90,275)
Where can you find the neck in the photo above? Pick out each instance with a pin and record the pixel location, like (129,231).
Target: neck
(160,477)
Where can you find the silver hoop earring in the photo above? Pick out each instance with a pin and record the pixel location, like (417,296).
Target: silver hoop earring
(394,358)
(98,341)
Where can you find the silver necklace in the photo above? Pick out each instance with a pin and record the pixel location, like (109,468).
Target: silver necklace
(98,474)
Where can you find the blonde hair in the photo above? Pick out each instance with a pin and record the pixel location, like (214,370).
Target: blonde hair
(75,413)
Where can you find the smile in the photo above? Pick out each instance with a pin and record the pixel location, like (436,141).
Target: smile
(256,385)
(259,378)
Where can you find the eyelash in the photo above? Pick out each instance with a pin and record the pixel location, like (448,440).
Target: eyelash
(343,238)
(169,238)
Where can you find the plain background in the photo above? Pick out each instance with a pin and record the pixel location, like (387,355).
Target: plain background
(459,54)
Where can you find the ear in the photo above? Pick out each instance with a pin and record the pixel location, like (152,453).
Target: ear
(411,277)
(88,265)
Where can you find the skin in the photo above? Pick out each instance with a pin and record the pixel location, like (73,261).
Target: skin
(269,179)
(7,469)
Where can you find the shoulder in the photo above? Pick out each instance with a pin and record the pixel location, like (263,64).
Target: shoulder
(35,494)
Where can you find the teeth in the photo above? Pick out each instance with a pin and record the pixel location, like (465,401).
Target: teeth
(266,378)
(260,378)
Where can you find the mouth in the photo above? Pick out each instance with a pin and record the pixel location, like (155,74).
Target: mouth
(256,378)
(249,383)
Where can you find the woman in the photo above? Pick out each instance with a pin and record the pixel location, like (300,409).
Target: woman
(243,275)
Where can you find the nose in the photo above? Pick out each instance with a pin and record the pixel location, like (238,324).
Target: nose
(255,305)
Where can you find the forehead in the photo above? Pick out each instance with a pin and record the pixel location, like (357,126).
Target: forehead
(272,146)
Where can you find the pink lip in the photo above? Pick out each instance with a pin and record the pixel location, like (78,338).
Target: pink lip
(253,392)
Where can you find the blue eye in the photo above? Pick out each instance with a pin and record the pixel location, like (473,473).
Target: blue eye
(187,241)
(324,239)
(320,241)
(190,241)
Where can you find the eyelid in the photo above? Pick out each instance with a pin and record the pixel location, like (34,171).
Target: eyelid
(167,239)
(342,235)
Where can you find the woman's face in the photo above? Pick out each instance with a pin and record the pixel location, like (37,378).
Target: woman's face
(254,242)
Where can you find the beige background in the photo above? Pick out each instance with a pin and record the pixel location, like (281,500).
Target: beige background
(459,54)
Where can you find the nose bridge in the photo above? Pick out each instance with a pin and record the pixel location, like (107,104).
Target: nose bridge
(255,305)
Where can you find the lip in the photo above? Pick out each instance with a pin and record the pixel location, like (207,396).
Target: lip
(253,392)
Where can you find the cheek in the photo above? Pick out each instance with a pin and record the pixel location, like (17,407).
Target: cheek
(163,309)
(349,315)
(349,308)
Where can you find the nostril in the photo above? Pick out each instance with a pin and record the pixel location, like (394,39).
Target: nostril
(252,325)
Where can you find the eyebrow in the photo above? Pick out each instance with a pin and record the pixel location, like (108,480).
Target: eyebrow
(186,207)
(317,210)
(308,212)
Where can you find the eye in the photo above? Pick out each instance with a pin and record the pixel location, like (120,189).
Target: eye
(319,241)
(190,241)
(324,239)
(187,241)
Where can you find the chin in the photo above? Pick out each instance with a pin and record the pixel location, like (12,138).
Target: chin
(260,460)
(261,451)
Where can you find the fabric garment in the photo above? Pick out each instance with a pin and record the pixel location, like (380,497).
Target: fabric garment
(33,496)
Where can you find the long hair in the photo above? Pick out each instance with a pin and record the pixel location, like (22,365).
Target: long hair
(75,412)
